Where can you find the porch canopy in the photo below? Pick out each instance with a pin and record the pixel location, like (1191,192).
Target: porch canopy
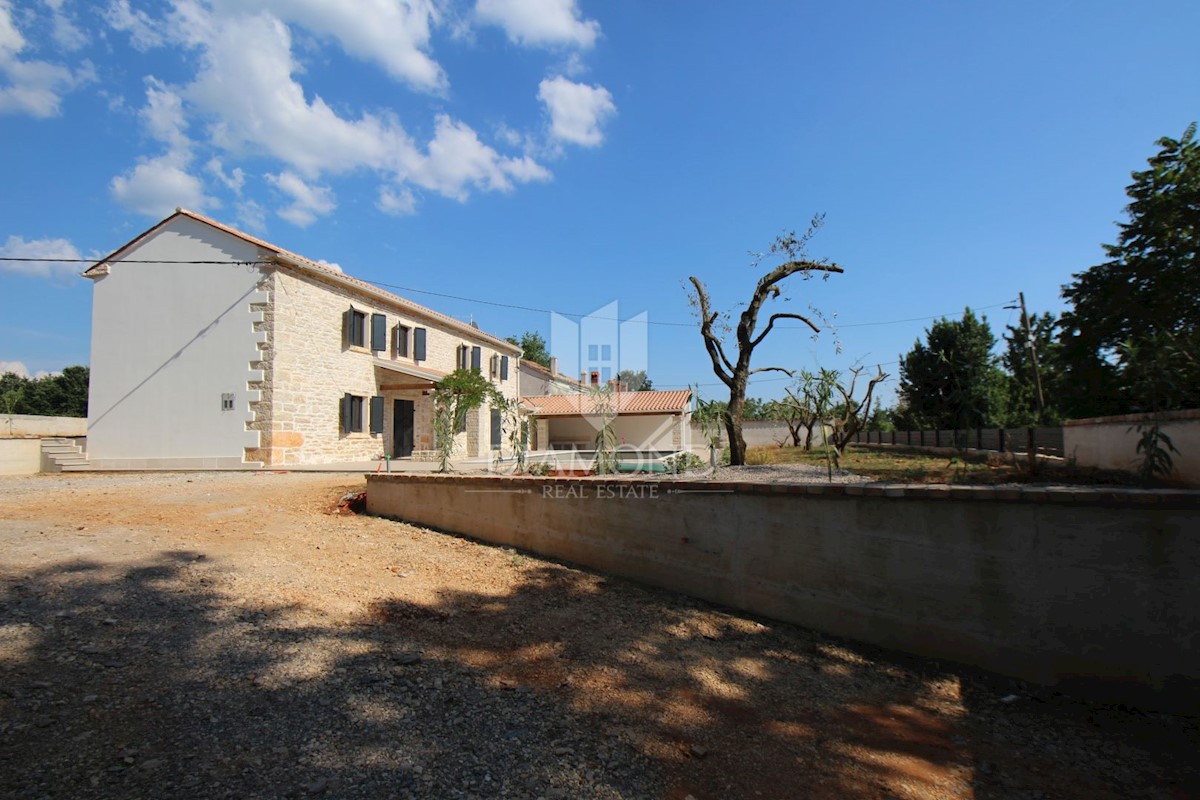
(402,377)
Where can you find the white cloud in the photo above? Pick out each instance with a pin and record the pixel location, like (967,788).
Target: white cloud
(333,265)
(246,87)
(307,201)
(393,34)
(164,118)
(458,159)
(539,22)
(144,32)
(577,110)
(396,202)
(246,101)
(156,186)
(33,87)
(65,32)
(251,215)
(17,368)
(234,180)
(60,271)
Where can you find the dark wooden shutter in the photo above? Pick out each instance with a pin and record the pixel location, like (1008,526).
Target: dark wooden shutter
(497,428)
(419,344)
(347,323)
(377,414)
(378,332)
(347,412)
(476,358)
(503,368)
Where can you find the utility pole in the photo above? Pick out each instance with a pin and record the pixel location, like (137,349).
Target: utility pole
(1037,373)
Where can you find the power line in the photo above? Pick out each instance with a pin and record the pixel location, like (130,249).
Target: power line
(494,303)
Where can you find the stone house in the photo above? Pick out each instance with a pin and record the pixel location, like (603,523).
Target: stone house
(213,349)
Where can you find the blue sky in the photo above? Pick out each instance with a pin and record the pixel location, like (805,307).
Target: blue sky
(561,155)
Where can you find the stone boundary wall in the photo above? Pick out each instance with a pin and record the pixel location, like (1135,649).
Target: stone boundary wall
(1093,591)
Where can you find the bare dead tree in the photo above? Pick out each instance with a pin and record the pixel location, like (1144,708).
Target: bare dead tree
(850,417)
(735,373)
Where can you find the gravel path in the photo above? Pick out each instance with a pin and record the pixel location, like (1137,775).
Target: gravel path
(224,636)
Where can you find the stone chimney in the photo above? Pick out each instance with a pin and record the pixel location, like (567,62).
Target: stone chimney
(553,366)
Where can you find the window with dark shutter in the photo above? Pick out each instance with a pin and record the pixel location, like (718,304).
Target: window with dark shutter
(497,428)
(378,332)
(354,328)
(477,358)
(400,341)
(418,344)
(376,414)
(503,368)
(352,414)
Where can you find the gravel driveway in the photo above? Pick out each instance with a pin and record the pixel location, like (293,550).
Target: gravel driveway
(224,636)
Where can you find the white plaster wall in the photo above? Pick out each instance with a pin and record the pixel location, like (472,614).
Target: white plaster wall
(645,432)
(1113,445)
(167,341)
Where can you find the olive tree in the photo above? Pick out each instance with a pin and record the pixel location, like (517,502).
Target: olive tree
(731,361)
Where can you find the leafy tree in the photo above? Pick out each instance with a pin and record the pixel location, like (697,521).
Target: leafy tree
(61,395)
(881,419)
(1021,386)
(533,347)
(1145,296)
(635,381)
(735,371)
(454,396)
(953,380)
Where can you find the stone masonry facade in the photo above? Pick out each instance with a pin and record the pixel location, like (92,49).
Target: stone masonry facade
(306,368)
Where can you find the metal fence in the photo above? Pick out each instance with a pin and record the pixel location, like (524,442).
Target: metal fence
(1043,441)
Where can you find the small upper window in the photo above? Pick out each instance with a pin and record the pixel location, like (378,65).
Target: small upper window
(354,330)
(400,341)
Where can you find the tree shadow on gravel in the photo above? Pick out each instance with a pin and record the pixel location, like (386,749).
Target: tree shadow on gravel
(732,707)
(148,681)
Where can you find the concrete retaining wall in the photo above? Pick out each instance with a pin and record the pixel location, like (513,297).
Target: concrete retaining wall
(20,456)
(1111,442)
(30,426)
(1093,591)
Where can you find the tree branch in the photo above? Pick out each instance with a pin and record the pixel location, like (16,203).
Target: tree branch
(791,373)
(771,324)
(712,342)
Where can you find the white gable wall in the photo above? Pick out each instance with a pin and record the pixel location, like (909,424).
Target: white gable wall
(167,341)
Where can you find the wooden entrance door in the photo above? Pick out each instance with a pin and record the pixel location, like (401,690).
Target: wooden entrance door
(402,428)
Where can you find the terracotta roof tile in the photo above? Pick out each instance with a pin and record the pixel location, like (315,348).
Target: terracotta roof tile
(652,402)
